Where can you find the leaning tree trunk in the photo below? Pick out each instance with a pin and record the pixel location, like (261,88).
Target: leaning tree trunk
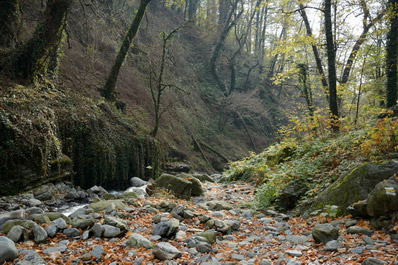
(9,23)
(110,85)
(331,65)
(31,61)
(392,55)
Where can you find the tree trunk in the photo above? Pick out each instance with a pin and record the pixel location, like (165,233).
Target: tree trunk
(9,23)
(109,88)
(331,66)
(392,55)
(192,8)
(33,58)
(315,51)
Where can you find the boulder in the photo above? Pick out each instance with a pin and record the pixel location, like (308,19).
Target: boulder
(196,189)
(324,233)
(138,241)
(203,177)
(137,182)
(51,216)
(83,222)
(39,234)
(383,199)
(165,251)
(71,232)
(359,209)
(117,222)
(177,167)
(30,257)
(102,205)
(179,187)
(354,186)
(210,235)
(27,224)
(45,192)
(8,251)
(359,230)
(97,230)
(219,205)
(290,195)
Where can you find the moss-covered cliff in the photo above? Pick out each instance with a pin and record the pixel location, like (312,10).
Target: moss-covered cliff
(47,134)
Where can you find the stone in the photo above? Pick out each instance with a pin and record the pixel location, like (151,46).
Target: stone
(97,251)
(234,224)
(355,186)
(32,202)
(97,190)
(380,222)
(359,230)
(295,253)
(8,251)
(179,187)
(178,211)
(83,222)
(45,192)
(28,224)
(117,222)
(177,167)
(373,261)
(383,199)
(291,194)
(196,189)
(204,247)
(71,232)
(137,240)
(165,251)
(350,222)
(140,191)
(39,234)
(210,235)
(333,245)
(367,240)
(31,257)
(359,209)
(324,233)
(297,239)
(97,230)
(181,235)
(60,223)
(111,231)
(166,228)
(203,177)
(86,257)
(102,205)
(219,205)
(60,248)
(15,234)
(238,257)
(42,218)
(137,182)
(357,250)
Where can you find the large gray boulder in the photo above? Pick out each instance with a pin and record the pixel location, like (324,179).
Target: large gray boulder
(166,228)
(179,187)
(137,182)
(291,194)
(383,199)
(354,186)
(196,189)
(324,233)
(8,251)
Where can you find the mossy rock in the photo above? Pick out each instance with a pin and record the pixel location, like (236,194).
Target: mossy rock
(180,187)
(43,217)
(27,224)
(203,177)
(354,186)
(197,189)
(279,156)
(102,205)
(383,200)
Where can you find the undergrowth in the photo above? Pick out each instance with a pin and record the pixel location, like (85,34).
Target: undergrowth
(309,152)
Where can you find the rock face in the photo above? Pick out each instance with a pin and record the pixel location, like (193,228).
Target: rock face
(178,186)
(355,186)
(324,233)
(384,198)
(289,196)
(8,251)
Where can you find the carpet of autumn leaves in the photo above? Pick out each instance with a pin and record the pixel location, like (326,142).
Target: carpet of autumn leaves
(246,239)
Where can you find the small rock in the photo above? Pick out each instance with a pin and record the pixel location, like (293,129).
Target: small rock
(324,233)
(60,248)
(296,253)
(97,251)
(32,258)
(237,257)
(165,251)
(97,230)
(359,230)
(181,235)
(51,230)
(71,232)
(60,223)
(350,222)
(367,240)
(204,247)
(357,250)
(111,231)
(137,240)
(39,234)
(373,261)
(8,251)
(332,245)
(15,233)
(137,182)
(86,257)
(210,236)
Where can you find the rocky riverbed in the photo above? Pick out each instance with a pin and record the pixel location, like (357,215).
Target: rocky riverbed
(215,228)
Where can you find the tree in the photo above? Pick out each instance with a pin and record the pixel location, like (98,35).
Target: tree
(156,80)
(9,22)
(331,54)
(110,85)
(392,55)
(29,61)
